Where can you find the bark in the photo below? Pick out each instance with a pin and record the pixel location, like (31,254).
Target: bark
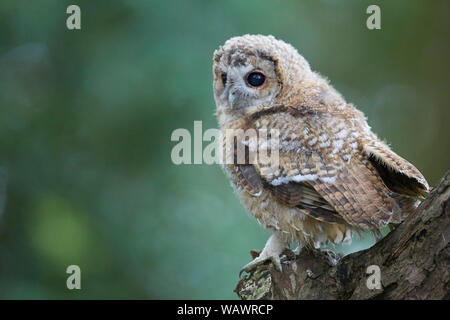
(414,260)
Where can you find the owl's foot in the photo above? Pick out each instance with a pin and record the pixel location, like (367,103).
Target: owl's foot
(271,252)
(275,259)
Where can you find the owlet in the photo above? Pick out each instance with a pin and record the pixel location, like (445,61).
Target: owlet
(333,176)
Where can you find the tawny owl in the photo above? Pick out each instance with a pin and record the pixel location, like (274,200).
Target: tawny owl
(334,176)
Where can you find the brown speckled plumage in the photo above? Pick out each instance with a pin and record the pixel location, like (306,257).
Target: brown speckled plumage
(334,175)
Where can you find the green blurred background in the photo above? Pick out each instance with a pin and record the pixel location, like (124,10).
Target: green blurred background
(86,118)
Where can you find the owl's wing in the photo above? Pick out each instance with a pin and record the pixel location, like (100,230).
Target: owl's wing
(252,179)
(249,179)
(358,194)
(311,173)
(353,192)
(301,195)
(398,174)
(349,179)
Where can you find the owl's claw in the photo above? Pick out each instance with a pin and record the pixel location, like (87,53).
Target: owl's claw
(272,251)
(259,261)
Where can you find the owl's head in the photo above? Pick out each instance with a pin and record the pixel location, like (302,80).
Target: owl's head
(255,70)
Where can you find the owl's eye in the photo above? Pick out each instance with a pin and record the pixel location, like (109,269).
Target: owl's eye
(256,79)
(224,78)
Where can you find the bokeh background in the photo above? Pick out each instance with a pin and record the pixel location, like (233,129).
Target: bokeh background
(86,119)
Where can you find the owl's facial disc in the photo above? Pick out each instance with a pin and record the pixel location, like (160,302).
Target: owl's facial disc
(244,80)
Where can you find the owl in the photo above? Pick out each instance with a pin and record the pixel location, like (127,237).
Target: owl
(333,177)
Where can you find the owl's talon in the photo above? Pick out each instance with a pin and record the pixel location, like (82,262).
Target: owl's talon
(272,251)
(260,261)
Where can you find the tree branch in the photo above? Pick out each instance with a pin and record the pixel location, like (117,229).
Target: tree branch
(414,260)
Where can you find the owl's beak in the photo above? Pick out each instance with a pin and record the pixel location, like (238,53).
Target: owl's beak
(232,99)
